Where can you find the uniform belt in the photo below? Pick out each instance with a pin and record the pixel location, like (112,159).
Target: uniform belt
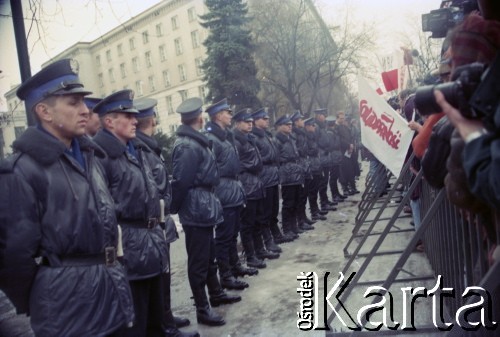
(108,258)
(146,224)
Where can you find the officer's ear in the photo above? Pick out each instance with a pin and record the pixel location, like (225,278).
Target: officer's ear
(42,111)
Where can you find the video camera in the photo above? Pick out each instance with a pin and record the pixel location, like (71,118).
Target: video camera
(451,13)
(474,91)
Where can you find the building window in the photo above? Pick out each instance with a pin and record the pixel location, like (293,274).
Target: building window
(184,95)
(135,64)
(166,78)
(175,24)
(195,39)
(198,63)
(138,88)
(98,60)
(178,46)
(159,29)
(131,43)
(163,53)
(108,55)
(147,56)
(182,72)
(202,92)
(123,71)
(145,37)
(119,49)
(191,14)
(170,106)
(111,74)
(101,80)
(152,85)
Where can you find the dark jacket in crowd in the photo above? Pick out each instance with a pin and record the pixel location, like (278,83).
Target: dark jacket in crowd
(313,153)
(137,200)
(194,178)
(291,172)
(300,139)
(51,207)
(251,165)
(345,137)
(160,174)
(334,145)
(230,190)
(323,144)
(270,157)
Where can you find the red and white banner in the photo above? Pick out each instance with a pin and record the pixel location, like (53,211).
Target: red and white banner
(395,69)
(383,131)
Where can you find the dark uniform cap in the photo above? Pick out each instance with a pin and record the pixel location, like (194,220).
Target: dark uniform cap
(260,113)
(244,115)
(283,120)
(310,121)
(91,102)
(190,108)
(58,78)
(120,101)
(296,116)
(146,107)
(217,107)
(322,111)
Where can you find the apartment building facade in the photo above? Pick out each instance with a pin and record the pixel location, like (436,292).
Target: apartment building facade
(157,53)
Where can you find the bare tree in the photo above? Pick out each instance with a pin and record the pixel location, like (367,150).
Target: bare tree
(301,58)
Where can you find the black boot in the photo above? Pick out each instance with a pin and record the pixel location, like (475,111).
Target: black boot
(306,227)
(295,227)
(181,322)
(318,216)
(216,294)
(174,332)
(205,315)
(227,279)
(308,221)
(265,254)
(277,235)
(269,241)
(240,270)
(255,262)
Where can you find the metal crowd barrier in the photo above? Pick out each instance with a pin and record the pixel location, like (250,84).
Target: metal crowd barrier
(456,243)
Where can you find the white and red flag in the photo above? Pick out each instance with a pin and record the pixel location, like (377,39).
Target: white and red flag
(383,131)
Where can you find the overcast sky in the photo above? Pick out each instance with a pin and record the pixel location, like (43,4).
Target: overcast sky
(63,23)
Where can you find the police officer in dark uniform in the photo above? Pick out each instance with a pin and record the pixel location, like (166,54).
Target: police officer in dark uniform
(291,175)
(250,169)
(146,128)
(299,136)
(55,206)
(270,179)
(194,178)
(94,123)
(324,154)
(316,169)
(335,159)
(137,200)
(231,195)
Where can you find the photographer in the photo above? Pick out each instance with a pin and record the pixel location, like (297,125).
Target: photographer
(482,151)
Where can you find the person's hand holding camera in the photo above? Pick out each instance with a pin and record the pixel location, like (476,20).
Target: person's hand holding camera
(468,128)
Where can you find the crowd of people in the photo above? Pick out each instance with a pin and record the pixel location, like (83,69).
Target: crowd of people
(86,204)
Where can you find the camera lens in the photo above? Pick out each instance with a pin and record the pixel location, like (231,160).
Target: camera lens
(426,103)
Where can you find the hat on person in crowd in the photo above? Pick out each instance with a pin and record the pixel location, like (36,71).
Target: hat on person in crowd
(260,113)
(58,78)
(218,107)
(310,121)
(120,101)
(296,116)
(330,119)
(283,120)
(244,115)
(146,107)
(91,102)
(190,108)
(322,111)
